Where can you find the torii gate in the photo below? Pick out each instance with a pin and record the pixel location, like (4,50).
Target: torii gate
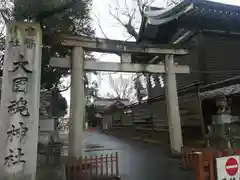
(21,91)
(125,49)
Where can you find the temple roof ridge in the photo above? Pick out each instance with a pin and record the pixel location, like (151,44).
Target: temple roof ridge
(161,16)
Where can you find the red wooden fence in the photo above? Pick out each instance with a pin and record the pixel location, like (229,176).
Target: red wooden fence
(104,166)
(203,162)
(188,158)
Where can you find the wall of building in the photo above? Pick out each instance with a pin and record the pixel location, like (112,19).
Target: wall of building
(193,60)
(152,116)
(141,117)
(126,118)
(212,58)
(107,121)
(107,102)
(221,57)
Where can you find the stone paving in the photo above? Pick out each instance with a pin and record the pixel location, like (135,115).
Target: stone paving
(137,160)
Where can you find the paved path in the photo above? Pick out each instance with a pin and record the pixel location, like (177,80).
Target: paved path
(137,161)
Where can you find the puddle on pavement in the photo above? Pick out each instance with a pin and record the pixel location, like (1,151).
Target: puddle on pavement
(93,146)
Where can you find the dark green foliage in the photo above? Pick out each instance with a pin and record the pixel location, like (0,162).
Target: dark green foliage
(91,115)
(73,20)
(56,17)
(59,106)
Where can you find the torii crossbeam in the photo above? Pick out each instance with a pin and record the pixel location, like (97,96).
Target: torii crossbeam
(125,49)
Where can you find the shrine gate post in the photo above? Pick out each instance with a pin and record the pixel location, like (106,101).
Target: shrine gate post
(77,104)
(20,101)
(173,115)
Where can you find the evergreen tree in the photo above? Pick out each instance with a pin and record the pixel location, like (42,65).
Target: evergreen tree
(71,17)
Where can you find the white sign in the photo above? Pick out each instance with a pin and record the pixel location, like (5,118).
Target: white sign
(228,168)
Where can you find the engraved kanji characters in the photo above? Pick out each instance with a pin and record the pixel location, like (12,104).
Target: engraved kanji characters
(9,159)
(11,133)
(19,106)
(21,64)
(14,157)
(17,132)
(30,31)
(23,129)
(24,41)
(14,41)
(30,43)
(20,84)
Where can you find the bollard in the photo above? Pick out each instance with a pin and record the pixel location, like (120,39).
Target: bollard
(199,168)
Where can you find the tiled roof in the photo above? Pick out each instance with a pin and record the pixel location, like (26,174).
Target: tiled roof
(189,14)
(194,8)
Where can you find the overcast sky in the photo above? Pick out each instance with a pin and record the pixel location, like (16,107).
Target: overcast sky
(113,30)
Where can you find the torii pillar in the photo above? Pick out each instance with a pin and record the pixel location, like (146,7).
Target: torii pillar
(77,104)
(173,115)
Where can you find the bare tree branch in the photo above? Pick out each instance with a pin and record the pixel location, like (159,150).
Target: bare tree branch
(65,88)
(100,27)
(4,17)
(1,32)
(140,7)
(121,86)
(115,16)
(127,16)
(128,25)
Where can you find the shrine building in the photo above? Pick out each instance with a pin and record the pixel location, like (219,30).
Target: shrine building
(211,32)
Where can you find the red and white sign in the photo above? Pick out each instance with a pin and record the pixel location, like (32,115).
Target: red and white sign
(228,167)
(231,166)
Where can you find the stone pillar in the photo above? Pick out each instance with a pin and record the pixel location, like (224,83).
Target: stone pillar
(20,101)
(77,109)
(173,114)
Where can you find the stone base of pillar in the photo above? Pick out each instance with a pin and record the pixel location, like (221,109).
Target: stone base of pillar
(19,176)
(173,154)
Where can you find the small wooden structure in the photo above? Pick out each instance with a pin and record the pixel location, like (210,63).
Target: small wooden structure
(113,114)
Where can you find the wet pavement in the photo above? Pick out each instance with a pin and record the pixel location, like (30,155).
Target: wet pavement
(137,161)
